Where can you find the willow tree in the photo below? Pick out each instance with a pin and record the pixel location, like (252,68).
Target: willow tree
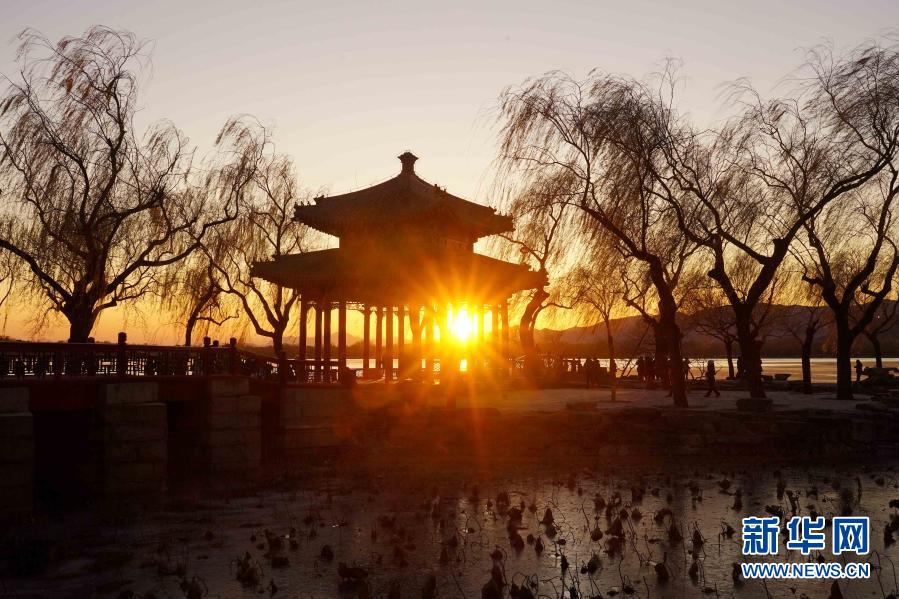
(601,293)
(851,257)
(711,316)
(806,317)
(711,312)
(92,207)
(557,126)
(884,321)
(747,189)
(541,240)
(264,230)
(195,297)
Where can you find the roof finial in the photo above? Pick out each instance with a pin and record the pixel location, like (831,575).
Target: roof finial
(408,159)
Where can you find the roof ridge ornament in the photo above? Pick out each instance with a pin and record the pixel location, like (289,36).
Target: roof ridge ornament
(408,159)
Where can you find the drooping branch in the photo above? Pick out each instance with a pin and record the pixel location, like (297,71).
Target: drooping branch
(94,209)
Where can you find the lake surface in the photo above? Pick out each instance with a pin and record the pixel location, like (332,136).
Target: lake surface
(824,370)
(405,528)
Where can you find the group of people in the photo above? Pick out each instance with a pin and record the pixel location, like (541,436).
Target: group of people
(650,371)
(593,371)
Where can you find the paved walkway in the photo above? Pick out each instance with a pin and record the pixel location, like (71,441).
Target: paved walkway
(551,400)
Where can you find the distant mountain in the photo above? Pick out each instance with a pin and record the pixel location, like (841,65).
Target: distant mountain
(632,336)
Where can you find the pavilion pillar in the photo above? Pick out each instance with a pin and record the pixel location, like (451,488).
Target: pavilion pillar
(443,346)
(301,354)
(478,353)
(504,315)
(415,329)
(366,337)
(301,340)
(326,340)
(388,342)
(318,341)
(401,338)
(494,335)
(379,338)
(427,327)
(341,336)
(473,347)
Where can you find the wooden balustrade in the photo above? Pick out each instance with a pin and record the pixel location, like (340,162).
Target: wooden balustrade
(41,360)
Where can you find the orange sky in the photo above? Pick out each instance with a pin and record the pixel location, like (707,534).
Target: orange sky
(349,85)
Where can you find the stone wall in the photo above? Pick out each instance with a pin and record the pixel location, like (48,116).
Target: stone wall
(232,433)
(309,418)
(135,440)
(16,455)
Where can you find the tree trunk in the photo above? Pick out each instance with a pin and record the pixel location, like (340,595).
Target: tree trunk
(526,331)
(613,379)
(278,340)
(844,354)
(672,335)
(81,322)
(750,351)
(189,330)
(878,350)
(729,354)
(675,362)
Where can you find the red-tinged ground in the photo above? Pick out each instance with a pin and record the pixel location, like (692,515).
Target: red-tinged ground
(422,494)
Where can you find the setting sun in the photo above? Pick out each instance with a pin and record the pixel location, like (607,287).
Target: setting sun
(462,326)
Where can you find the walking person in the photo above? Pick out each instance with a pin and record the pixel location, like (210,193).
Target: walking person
(859,367)
(588,371)
(710,372)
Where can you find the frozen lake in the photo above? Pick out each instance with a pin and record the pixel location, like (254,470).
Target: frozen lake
(824,370)
(610,529)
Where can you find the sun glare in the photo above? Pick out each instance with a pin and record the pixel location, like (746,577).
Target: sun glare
(462,326)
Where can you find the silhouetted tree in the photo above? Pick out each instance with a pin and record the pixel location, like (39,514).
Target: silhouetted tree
(751,186)
(541,224)
(711,315)
(92,207)
(556,126)
(264,230)
(883,322)
(196,297)
(600,292)
(852,258)
(805,317)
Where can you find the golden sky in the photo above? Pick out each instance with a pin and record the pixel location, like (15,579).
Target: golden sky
(349,85)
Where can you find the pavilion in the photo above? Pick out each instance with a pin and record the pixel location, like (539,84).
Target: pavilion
(405,256)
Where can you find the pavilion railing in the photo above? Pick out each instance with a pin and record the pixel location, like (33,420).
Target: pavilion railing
(39,360)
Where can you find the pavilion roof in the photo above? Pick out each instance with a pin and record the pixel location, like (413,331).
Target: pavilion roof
(403,199)
(452,276)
